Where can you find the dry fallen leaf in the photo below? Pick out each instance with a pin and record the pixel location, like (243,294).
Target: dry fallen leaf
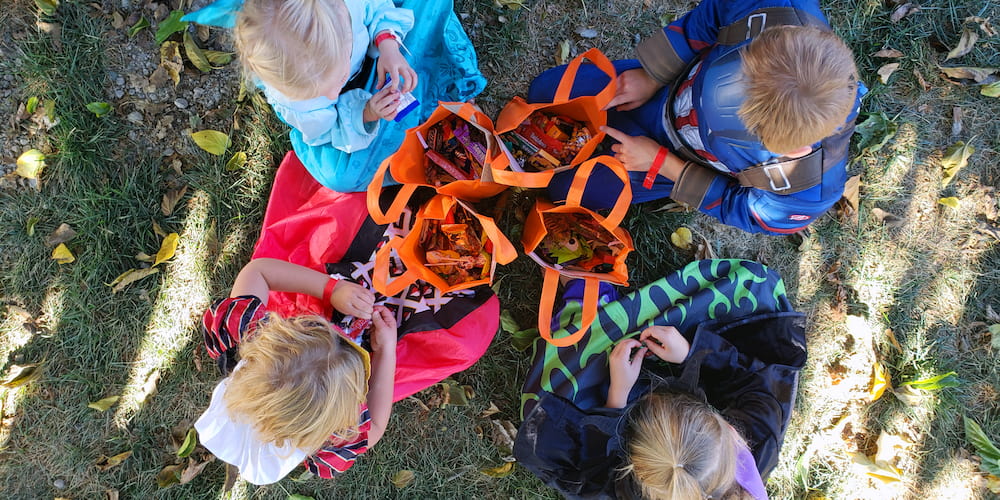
(502,470)
(492,410)
(704,250)
(18,375)
(104,463)
(157,230)
(30,164)
(955,158)
(979,75)
(62,234)
(950,201)
(903,11)
(880,382)
(403,478)
(62,255)
(131,276)
(682,238)
(169,476)
(884,473)
(852,190)
(984,24)
(886,71)
(193,469)
(563,56)
(888,53)
(103,404)
(170,199)
(889,219)
(171,62)
(237,161)
(965,44)
(195,54)
(920,79)
(167,249)
(957,114)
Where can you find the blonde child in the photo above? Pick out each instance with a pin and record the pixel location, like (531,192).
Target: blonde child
(681,389)
(322,65)
(301,390)
(742,109)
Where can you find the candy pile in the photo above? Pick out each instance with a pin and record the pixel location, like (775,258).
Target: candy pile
(454,150)
(456,248)
(578,242)
(544,141)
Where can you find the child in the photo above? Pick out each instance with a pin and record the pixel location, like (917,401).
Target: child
(716,334)
(301,391)
(323,63)
(741,108)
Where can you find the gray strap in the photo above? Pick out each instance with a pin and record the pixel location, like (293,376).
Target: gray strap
(755,22)
(659,59)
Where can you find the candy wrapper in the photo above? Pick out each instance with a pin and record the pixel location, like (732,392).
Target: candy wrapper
(575,241)
(545,141)
(457,248)
(454,151)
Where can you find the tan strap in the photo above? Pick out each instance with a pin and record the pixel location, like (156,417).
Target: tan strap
(786,177)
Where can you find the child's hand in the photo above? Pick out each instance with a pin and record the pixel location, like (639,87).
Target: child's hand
(635,152)
(391,61)
(624,368)
(382,105)
(353,299)
(635,87)
(666,343)
(384,332)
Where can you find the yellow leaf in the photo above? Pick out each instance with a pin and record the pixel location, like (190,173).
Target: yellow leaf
(104,463)
(880,382)
(171,62)
(30,164)
(993,484)
(218,58)
(170,475)
(883,472)
(62,255)
(500,470)
(131,276)
(955,158)
(563,56)
(167,249)
(104,404)
(195,54)
(950,201)
(237,161)
(213,141)
(19,375)
(682,238)
(48,7)
(403,478)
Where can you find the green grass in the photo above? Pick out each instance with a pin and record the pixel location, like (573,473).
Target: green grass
(929,280)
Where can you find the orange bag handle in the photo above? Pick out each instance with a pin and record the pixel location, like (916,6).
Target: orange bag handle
(503,250)
(590,296)
(569,77)
(375,191)
(380,275)
(575,194)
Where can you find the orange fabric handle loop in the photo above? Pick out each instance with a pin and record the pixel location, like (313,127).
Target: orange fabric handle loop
(583,172)
(569,77)
(589,313)
(380,275)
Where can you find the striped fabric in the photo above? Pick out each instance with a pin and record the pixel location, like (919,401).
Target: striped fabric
(225,324)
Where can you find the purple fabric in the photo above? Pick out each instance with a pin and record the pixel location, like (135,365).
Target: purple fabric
(573,291)
(747,475)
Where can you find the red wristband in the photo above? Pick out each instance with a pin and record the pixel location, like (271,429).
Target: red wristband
(654,169)
(328,291)
(383,36)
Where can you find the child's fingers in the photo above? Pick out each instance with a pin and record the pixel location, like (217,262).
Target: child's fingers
(410,79)
(637,358)
(618,135)
(394,75)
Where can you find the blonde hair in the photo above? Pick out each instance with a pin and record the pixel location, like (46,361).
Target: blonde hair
(680,448)
(299,381)
(294,45)
(801,86)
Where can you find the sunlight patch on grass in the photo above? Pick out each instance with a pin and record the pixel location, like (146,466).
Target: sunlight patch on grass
(240,491)
(954,479)
(175,315)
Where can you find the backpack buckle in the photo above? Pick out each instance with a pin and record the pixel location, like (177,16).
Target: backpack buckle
(751,32)
(781,172)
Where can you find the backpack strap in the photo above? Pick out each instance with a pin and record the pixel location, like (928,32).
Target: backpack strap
(755,22)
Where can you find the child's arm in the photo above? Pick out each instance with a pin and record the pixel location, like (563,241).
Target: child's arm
(383,376)
(261,276)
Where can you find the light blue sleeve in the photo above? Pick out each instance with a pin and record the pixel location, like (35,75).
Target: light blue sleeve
(382,15)
(324,121)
